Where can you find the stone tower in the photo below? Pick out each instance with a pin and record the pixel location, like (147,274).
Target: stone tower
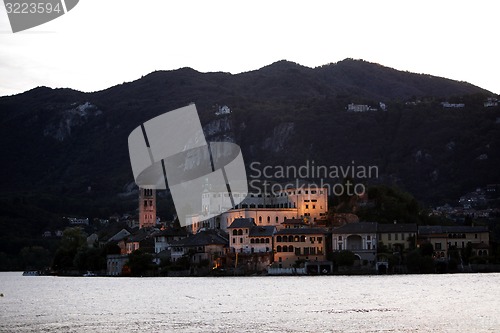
(147,207)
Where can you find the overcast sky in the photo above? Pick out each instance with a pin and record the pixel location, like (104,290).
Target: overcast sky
(101,43)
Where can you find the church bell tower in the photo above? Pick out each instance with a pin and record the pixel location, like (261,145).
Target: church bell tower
(147,207)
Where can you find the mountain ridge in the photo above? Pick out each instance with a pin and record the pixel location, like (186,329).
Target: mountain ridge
(55,149)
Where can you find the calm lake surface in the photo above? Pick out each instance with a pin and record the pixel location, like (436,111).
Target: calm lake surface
(403,303)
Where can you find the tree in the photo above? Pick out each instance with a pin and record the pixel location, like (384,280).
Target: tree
(35,257)
(426,249)
(140,263)
(72,240)
(344,258)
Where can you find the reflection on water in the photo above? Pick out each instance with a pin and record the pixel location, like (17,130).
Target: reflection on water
(403,303)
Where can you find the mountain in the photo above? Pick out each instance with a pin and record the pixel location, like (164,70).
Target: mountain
(65,151)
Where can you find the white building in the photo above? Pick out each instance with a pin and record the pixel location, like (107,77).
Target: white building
(359,238)
(267,209)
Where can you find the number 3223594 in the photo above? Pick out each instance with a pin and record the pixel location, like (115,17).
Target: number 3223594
(32,8)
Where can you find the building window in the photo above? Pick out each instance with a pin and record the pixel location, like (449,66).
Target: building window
(395,236)
(314,206)
(278,249)
(320,239)
(297,251)
(260,219)
(389,236)
(340,238)
(307,206)
(368,238)
(277,219)
(437,246)
(475,236)
(340,247)
(278,239)
(241,240)
(269,219)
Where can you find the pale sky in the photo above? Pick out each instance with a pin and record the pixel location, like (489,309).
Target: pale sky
(101,43)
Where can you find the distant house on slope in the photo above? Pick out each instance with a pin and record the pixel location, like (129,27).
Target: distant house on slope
(362,107)
(448,105)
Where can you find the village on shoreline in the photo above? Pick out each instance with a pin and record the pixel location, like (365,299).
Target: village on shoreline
(285,233)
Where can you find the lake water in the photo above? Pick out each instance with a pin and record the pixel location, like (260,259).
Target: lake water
(403,303)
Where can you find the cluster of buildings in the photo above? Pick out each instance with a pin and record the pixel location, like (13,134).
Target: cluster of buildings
(277,233)
(472,205)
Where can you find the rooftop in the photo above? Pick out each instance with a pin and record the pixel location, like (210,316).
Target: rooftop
(209,237)
(302,231)
(399,227)
(357,228)
(242,223)
(453,229)
(265,231)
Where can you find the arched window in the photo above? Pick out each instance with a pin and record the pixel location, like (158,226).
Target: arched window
(257,241)
(296,238)
(260,219)
(240,232)
(278,239)
(252,241)
(278,248)
(290,248)
(267,240)
(302,238)
(285,248)
(276,219)
(262,240)
(269,219)
(235,232)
